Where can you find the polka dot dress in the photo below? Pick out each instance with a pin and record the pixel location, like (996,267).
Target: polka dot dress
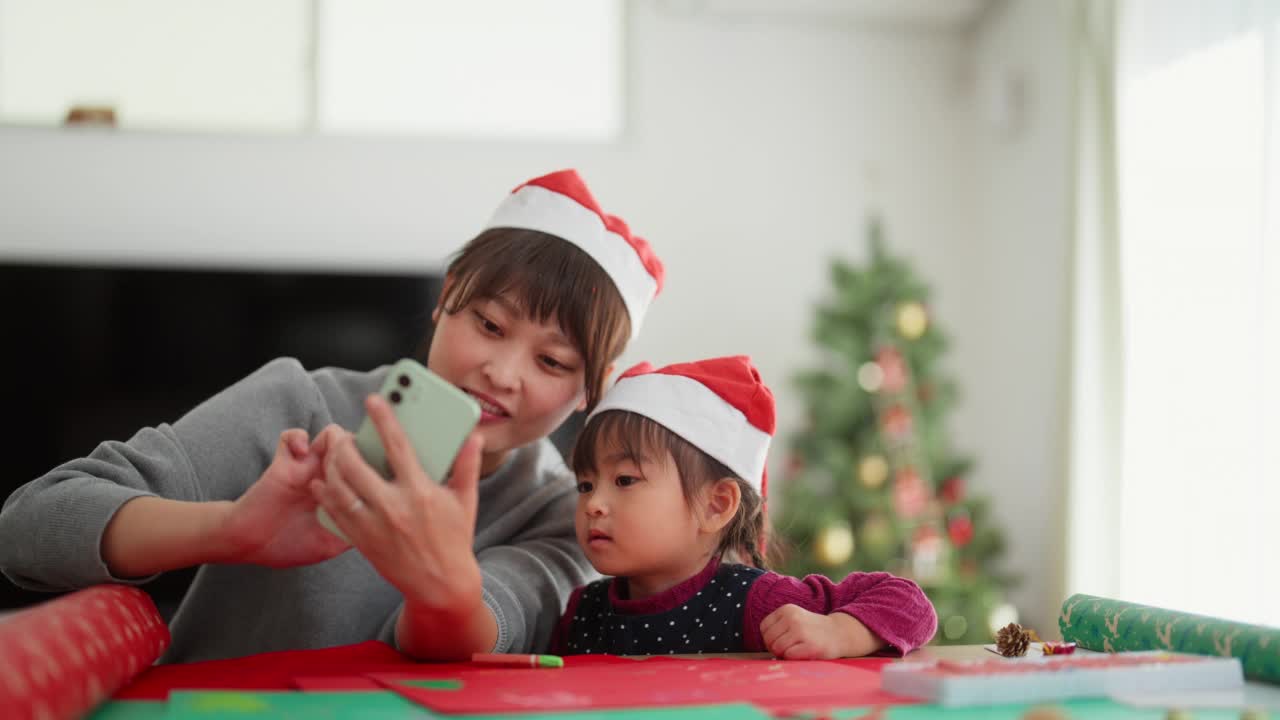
(64,657)
(708,621)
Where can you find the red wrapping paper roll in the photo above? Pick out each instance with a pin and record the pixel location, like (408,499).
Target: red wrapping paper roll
(61,659)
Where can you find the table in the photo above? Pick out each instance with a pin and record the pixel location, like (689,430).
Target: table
(389,707)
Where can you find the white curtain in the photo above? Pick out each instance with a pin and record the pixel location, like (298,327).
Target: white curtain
(1187,478)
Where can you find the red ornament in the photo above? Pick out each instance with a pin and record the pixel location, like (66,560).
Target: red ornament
(893,368)
(909,495)
(897,422)
(795,464)
(952,490)
(960,529)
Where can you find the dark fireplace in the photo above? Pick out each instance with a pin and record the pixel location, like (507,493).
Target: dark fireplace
(95,353)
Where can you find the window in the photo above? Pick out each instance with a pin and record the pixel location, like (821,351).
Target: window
(540,69)
(1200,259)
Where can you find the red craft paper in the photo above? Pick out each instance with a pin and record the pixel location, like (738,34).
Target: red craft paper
(336,683)
(774,684)
(266,671)
(63,657)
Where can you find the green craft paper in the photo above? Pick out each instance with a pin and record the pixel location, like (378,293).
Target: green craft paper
(434,684)
(387,705)
(1105,625)
(131,710)
(1073,710)
(288,705)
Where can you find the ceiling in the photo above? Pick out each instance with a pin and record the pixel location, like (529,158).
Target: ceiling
(921,14)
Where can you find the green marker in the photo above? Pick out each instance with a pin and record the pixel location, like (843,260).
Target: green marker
(516,660)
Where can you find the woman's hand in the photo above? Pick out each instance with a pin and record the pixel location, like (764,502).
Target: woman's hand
(793,633)
(274,522)
(417,533)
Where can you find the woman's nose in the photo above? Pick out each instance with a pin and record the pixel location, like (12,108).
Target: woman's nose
(502,370)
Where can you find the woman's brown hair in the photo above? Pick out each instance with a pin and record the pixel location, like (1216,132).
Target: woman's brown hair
(636,436)
(549,278)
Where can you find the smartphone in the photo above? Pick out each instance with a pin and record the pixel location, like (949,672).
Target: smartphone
(436,416)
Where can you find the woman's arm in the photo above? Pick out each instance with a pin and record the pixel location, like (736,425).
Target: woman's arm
(150,535)
(453,633)
(273,523)
(55,530)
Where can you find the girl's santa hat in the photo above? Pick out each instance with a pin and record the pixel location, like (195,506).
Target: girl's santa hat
(560,204)
(721,406)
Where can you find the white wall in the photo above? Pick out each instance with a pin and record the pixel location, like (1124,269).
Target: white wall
(1011,317)
(752,152)
(744,164)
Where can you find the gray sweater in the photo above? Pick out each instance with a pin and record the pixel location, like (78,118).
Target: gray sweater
(51,528)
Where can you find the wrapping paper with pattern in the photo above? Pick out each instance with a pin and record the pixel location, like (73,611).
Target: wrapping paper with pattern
(64,657)
(1106,625)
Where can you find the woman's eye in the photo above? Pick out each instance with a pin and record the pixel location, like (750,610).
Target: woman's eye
(553,363)
(627,480)
(584,487)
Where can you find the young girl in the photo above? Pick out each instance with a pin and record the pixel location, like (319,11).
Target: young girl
(671,481)
(534,311)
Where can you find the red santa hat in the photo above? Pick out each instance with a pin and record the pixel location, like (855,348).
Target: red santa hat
(560,204)
(721,406)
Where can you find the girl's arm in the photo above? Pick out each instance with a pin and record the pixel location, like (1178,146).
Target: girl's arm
(892,609)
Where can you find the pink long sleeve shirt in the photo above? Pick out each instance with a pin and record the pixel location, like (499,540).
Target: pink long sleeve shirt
(720,610)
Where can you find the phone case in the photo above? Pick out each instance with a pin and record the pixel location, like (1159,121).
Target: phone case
(435,415)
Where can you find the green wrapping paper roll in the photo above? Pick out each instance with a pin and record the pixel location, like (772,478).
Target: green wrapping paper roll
(1096,623)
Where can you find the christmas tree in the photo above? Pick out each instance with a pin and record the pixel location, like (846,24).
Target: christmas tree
(872,483)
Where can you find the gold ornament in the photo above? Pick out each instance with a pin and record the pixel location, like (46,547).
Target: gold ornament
(873,470)
(955,627)
(834,545)
(913,320)
(876,532)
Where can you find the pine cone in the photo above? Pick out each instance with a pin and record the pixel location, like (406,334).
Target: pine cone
(1012,640)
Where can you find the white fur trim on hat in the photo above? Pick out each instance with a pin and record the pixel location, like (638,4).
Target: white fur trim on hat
(536,208)
(693,411)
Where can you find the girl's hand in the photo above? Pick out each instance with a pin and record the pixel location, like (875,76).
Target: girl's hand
(418,534)
(793,633)
(274,522)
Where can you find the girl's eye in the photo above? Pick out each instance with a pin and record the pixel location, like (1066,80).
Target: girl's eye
(488,325)
(584,487)
(553,363)
(627,480)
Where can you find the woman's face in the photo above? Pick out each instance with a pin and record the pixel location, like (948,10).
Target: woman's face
(526,375)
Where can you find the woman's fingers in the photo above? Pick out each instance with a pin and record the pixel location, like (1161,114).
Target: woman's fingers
(466,474)
(346,466)
(320,445)
(401,458)
(294,441)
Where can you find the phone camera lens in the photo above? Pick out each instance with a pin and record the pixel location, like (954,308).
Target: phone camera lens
(404,381)
(395,397)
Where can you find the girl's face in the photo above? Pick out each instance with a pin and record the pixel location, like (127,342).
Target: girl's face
(526,376)
(633,520)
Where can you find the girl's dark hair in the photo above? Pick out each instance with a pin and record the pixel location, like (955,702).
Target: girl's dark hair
(744,538)
(549,278)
